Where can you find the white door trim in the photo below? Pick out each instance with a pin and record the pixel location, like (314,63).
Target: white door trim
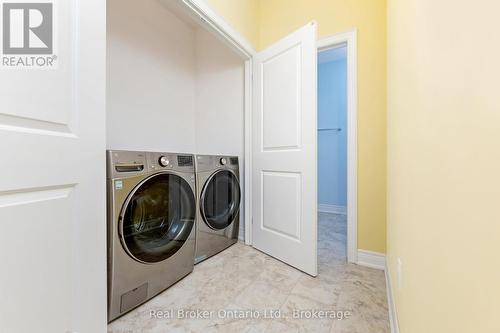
(350,39)
(248,152)
(218,25)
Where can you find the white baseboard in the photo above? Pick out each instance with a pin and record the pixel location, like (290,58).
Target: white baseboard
(379,261)
(393,318)
(326,208)
(371,259)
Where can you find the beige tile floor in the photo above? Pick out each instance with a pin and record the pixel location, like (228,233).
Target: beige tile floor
(244,282)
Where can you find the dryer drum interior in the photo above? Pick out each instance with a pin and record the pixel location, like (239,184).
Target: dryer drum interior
(158,218)
(220,200)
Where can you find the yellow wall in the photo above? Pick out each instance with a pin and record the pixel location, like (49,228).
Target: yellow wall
(243,15)
(278,18)
(444,164)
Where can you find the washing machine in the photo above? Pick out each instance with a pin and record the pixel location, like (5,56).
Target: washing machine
(219,198)
(151,225)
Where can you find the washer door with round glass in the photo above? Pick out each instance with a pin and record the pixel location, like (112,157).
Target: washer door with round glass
(220,200)
(158,218)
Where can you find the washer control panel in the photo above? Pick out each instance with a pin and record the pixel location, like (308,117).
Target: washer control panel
(170,161)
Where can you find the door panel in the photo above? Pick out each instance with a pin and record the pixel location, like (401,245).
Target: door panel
(284,150)
(52,189)
(28,264)
(41,109)
(281,100)
(281,216)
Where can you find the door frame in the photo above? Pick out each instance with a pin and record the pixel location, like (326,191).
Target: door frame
(349,39)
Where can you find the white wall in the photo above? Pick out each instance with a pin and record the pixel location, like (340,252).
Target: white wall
(171,86)
(219,97)
(151,78)
(219,101)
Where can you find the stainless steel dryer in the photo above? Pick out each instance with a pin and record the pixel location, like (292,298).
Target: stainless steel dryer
(151,225)
(219,197)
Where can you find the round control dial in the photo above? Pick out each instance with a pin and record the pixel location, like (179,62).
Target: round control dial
(163,160)
(223,161)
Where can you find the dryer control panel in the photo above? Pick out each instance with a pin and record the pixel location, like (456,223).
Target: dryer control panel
(211,162)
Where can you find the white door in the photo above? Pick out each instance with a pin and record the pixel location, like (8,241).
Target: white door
(284,150)
(52,182)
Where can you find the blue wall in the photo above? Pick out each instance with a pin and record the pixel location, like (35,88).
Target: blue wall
(332,146)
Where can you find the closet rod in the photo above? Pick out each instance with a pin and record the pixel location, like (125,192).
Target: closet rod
(338,129)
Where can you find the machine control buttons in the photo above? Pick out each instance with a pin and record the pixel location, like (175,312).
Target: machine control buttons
(223,161)
(163,160)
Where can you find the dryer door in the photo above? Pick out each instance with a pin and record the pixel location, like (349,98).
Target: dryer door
(220,200)
(157,218)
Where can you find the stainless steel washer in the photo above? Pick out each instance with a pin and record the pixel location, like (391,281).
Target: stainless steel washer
(219,197)
(151,225)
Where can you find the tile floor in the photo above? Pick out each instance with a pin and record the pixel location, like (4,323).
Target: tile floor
(243,282)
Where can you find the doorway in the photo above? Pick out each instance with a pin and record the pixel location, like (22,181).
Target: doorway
(332,153)
(337,147)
